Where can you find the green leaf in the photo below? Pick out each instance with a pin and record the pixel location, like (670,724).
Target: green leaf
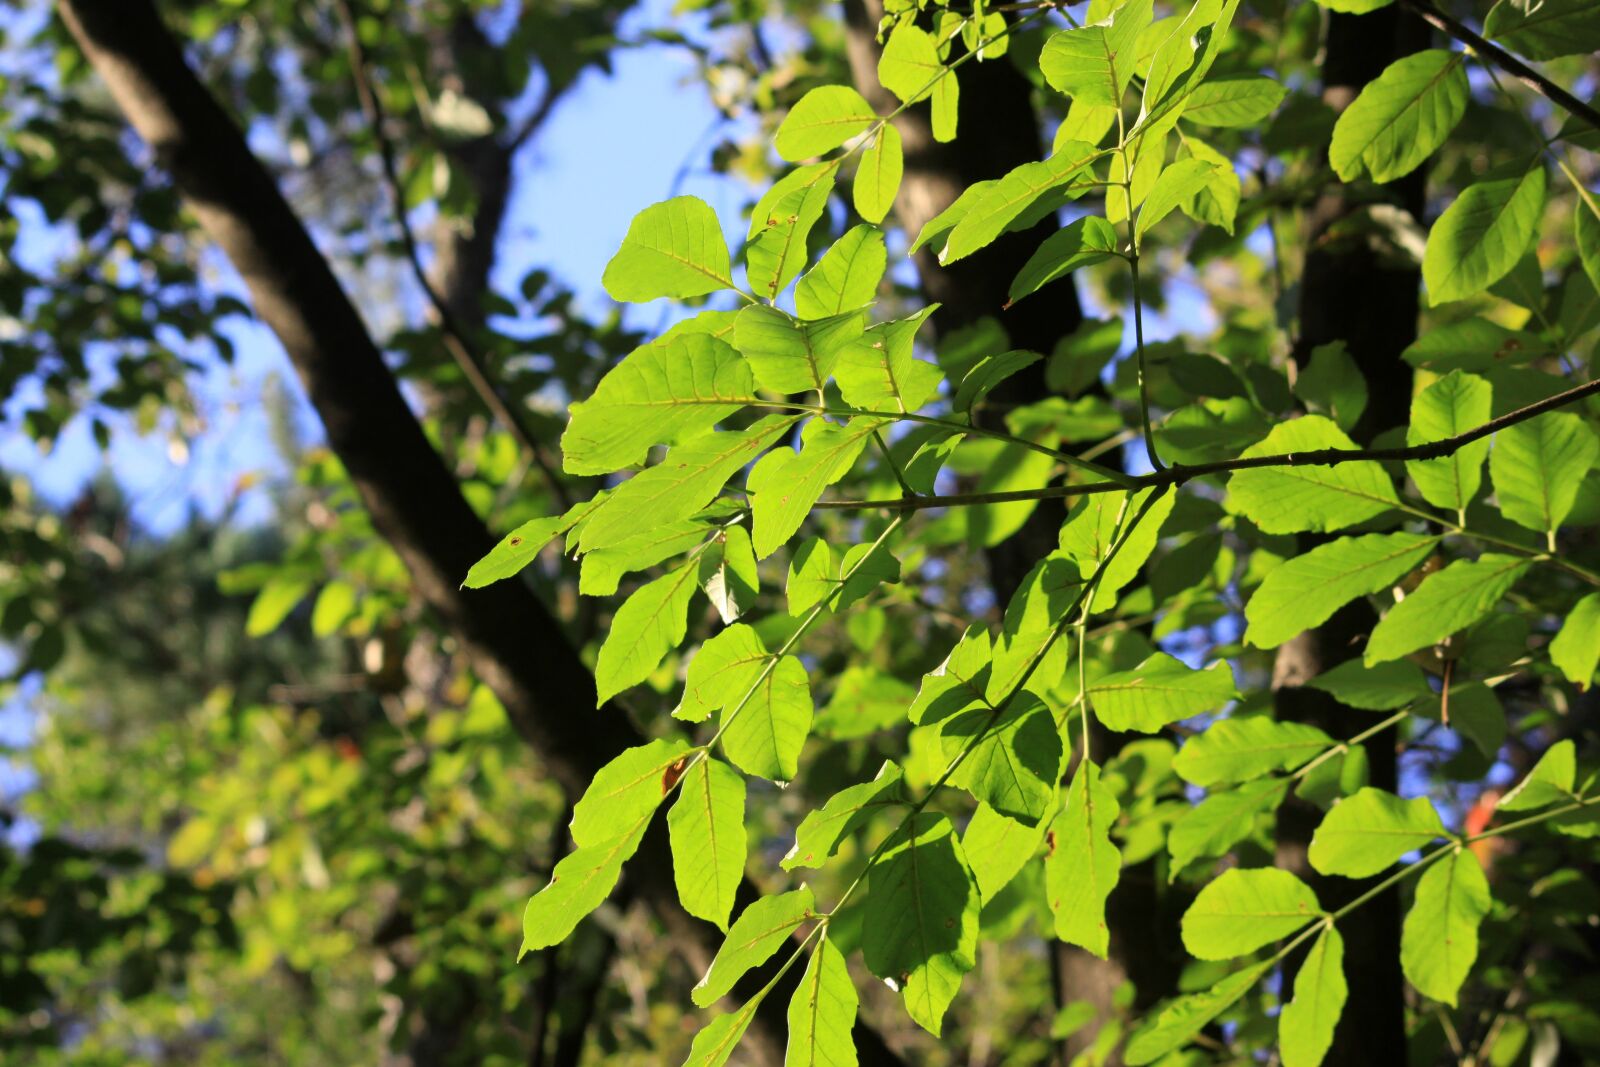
(765,738)
(687,479)
(959,683)
(1452,405)
(1013,760)
(1472,344)
(1088,537)
(626,791)
(516,550)
(941,224)
(1084,865)
(786,484)
(1234,100)
(1304,592)
(777,251)
(1242,910)
(910,69)
(1482,235)
(1294,499)
(846,277)
(1546,29)
(998,848)
(1369,831)
(722,672)
(1401,117)
(790,356)
(1439,940)
(825,118)
(878,176)
(1306,1024)
(1447,601)
(1179,65)
(1575,650)
(820,833)
(674,248)
(1216,201)
(649,624)
(865,700)
(1538,465)
(920,930)
(822,1013)
(1380,687)
(1220,821)
(989,372)
(1237,750)
(335,605)
(758,932)
(728,574)
(879,371)
(811,576)
(1177,184)
(1586,235)
(1010,196)
(1332,384)
(1550,781)
(579,884)
(706,830)
(278,597)
(1183,1017)
(1082,243)
(1027,646)
(714,1044)
(604,567)
(1094,64)
(659,394)
(1159,691)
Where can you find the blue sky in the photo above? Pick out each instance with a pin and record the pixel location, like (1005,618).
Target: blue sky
(614,146)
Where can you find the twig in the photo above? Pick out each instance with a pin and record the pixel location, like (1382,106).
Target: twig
(454,337)
(1504,60)
(1178,475)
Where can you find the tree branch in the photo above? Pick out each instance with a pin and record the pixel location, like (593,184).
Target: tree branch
(1504,60)
(455,341)
(1177,475)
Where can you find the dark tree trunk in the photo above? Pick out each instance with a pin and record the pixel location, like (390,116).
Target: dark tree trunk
(1350,294)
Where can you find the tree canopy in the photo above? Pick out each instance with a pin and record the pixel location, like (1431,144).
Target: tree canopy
(1096,563)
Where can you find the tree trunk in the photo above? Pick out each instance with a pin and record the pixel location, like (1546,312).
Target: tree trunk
(512,642)
(1349,294)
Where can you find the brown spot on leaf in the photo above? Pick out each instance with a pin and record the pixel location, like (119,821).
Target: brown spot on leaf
(673,772)
(515,541)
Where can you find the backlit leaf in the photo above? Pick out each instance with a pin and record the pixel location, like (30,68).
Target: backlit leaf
(1369,831)
(674,248)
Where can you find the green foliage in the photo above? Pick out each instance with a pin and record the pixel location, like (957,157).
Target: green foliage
(1401,117)
(840,528)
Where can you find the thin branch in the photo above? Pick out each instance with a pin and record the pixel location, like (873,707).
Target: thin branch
(1178,475)
(455,341)
(1504,60)
(537,118)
